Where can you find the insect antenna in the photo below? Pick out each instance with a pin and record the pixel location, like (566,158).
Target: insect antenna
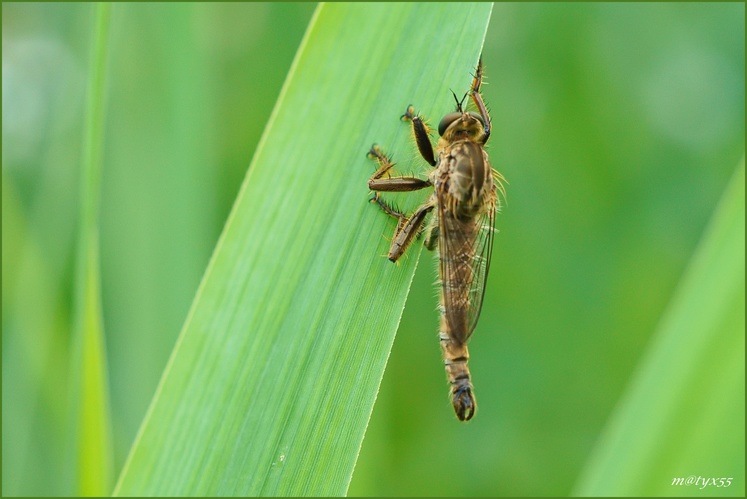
(459,102)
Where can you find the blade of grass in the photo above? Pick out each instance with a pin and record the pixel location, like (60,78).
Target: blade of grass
(684,413)
(91,433)
(273,380)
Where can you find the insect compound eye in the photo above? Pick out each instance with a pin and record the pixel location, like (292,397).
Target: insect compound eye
(446,121)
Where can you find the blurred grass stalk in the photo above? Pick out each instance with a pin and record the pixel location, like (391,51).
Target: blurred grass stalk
(683,414)
(91,441)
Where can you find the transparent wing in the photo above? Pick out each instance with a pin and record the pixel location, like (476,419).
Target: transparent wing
(465,249)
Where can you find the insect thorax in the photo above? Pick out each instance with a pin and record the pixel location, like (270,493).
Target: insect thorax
(463,178)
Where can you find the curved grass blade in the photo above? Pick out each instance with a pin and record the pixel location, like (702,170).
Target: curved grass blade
(273,379)
(91,424)
(684,413)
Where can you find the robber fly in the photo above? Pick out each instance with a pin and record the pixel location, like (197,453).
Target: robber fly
(465,199)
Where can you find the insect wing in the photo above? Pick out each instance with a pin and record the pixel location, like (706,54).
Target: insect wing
(465,248)
(481,266)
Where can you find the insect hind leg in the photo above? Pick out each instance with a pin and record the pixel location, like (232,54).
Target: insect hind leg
(432,238)
(407,232)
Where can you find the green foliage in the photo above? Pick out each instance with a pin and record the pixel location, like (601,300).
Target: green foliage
(616,125)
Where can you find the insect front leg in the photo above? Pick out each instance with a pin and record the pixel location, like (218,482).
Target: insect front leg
(420,130)
(477,99)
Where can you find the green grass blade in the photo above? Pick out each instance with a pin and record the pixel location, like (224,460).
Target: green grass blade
(92,446)
(274,377)
(684,413)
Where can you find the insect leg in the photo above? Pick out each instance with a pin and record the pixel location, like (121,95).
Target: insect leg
(391,184)
(432,238)
(406,232)
(477,99)
(385,163)
(420,130)
(401,217)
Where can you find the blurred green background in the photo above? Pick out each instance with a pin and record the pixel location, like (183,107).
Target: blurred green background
(617,126)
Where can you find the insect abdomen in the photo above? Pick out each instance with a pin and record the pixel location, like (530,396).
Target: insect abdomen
(456,356)
(456,255)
